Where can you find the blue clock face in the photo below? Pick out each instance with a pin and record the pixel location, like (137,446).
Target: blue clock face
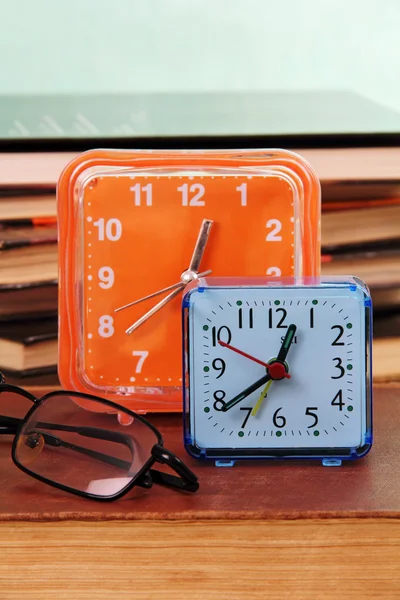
(277,368)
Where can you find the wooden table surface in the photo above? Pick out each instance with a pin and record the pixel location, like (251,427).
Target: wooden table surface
(260,530)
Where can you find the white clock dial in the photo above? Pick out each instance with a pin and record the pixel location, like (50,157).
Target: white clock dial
(322,405)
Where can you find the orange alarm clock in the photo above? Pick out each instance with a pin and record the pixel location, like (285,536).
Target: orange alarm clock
(136,227)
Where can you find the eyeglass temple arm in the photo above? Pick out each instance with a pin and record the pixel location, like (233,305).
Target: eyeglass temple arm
(186,480)
(9,425)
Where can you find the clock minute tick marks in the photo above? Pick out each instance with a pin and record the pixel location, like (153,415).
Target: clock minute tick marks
(308,433)
(222,430)
(298,303)
(210,417)
(213,312)
(209,320)
(231,432)
(326,301)
(345,318)
(215,424)
(291,302)
(326,430)
(306,302)
(341,423)
(341,310)
(347,416)
(262,302)
(293,432)
(333,305)
(229,305)
(205,337)
(334,428)
(221,307)
(299,432)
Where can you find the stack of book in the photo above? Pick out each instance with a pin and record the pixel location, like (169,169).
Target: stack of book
(353,144)
(28,284)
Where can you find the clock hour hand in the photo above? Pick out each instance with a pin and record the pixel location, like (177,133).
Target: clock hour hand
(282,354)
(200,246)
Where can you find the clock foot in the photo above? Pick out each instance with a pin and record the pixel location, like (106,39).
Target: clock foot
(225,463)
(331,462)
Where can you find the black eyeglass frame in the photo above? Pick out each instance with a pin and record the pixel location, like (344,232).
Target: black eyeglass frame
(184,480)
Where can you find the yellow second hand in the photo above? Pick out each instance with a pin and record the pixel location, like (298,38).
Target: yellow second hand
(261,398)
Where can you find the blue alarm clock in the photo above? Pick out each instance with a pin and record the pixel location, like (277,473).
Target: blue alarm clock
(277,369)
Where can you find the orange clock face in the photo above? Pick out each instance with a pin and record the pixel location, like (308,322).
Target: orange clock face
(139,231)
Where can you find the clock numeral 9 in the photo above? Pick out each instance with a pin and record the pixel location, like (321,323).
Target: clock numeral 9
(112,229)
(338,366)
(341,332)
(106,328)
(275,227)
(106,276)
(219,403)
(278,420)
(280,325)
(217,335)
(219,365)
(197,189)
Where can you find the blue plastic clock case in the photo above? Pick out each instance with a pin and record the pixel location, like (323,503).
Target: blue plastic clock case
(323,412)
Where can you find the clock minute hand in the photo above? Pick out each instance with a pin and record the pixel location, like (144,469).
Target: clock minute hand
(180,285)
(200,245)
(287,342)
(249,390)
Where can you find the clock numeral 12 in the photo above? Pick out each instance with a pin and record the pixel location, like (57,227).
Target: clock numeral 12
(197,189)
(278,311)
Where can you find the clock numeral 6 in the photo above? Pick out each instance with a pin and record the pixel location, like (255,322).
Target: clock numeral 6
(106,328)
(106,276)
(278,420)
(142,354)
(275,227)
(219,403)
(112,229)
(197,189)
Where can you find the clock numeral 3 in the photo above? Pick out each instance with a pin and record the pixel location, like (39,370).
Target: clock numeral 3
(223,331)
(338,400)
(274,271)
(250,318)
(219,365)
(338,366)
(278,311)
(197,189)
(341,332)
(219,403)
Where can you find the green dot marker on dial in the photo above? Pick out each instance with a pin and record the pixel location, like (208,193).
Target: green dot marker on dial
(239,303)
(349,325)
(278,433)
(277,302)
(349,408)
(206,369)
(316,433)
(205,327)
(241,433)
(207,409)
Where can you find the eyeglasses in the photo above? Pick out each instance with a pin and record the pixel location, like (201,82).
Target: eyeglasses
(91,447)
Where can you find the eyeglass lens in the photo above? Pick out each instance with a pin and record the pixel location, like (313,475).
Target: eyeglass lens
(88,449)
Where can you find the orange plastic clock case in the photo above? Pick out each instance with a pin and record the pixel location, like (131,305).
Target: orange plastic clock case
(155,392)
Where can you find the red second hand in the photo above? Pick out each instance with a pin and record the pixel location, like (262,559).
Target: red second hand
(260,362)
(276,369)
